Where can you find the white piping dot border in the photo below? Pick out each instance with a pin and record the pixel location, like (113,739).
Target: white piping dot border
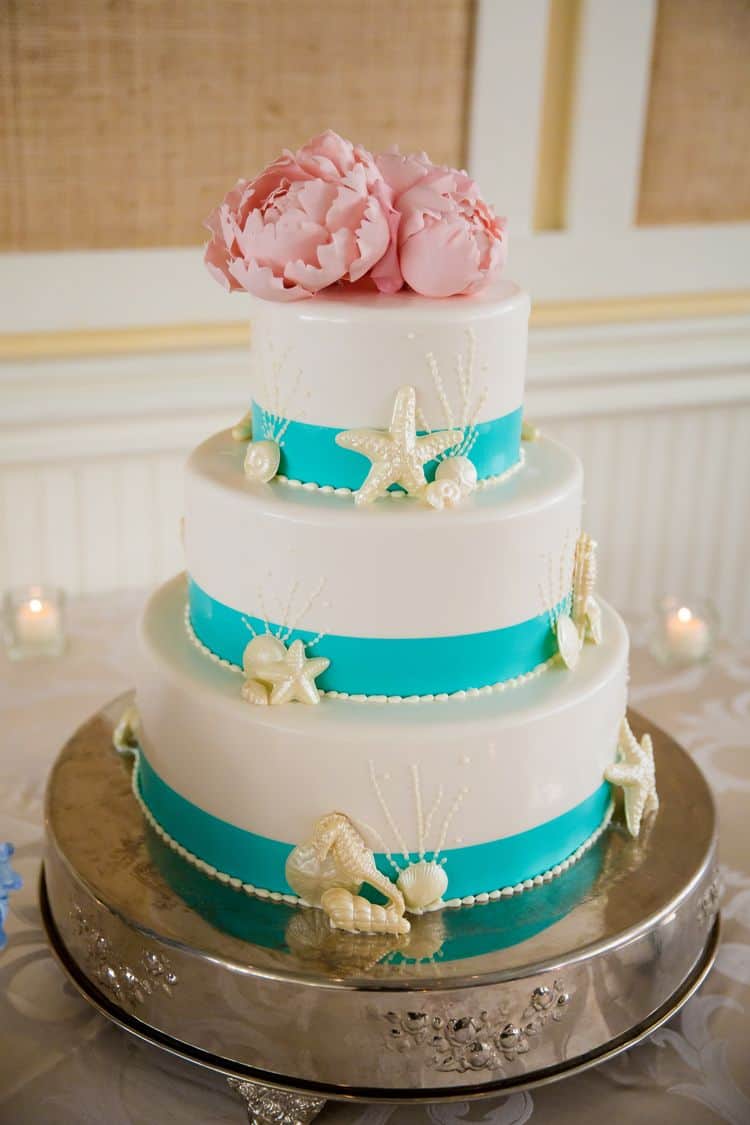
(330,490)
(440,697)
(294,900)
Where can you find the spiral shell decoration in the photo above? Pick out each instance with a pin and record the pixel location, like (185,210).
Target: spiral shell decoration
(443,494)
(422,884)
(462,470)
(262,460)
(358,916)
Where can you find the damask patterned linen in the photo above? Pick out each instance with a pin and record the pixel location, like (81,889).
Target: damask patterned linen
(62,1064)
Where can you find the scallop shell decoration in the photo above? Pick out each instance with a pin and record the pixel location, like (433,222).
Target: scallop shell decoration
(569,640)
(422,884)
(262,460)
(357,915)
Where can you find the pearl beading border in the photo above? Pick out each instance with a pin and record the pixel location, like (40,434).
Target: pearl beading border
(294,900)
(440,697)
(331,490)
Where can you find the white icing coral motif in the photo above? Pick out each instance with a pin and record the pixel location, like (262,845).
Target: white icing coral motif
(288,672)
(635,773)
(397,455)
(331,869)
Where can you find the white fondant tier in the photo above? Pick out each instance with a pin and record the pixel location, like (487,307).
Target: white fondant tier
(397,569)
(337,360)
(504,763)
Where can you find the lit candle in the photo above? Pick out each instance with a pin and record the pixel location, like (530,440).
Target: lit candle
(688,637)
(37,624)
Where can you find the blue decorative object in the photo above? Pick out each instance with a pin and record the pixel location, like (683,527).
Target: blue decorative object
(10,880)
(261,861)
(388,665)
(310,452)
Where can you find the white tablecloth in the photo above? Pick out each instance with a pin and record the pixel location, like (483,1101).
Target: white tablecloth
(63,1064)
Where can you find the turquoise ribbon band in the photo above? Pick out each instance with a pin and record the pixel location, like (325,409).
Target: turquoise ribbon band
(261,861)
(310,453)
(385,665)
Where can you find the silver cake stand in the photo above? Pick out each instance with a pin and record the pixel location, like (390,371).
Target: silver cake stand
(473,1002)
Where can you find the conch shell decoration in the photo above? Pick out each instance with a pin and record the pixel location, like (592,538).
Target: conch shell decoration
(331,869)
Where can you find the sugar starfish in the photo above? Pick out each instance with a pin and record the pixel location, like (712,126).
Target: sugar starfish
(293,677)
(397,454)
(634,771)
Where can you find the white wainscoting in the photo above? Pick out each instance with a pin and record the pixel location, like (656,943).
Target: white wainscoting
(92,449)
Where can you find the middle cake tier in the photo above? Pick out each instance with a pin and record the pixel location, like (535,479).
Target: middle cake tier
(402,600)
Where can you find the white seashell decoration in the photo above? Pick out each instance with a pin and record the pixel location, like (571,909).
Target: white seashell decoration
(422,884)
(243,431)
(260,652)
(255,692)
(329,870)
(262,460)
(359,916)
(584,575)
(593,620)
(311,876)
(462,470)
(443,494)
(569,640)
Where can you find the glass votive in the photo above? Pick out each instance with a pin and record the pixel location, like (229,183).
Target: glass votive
(685,630)
(34,622)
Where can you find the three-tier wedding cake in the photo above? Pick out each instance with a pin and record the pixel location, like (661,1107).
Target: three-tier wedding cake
(385,684)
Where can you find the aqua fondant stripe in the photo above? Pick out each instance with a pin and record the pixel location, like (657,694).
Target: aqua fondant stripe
(385,665)
(310,453)
(260,861)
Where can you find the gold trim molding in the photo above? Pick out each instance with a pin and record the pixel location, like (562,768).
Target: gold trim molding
(208,337)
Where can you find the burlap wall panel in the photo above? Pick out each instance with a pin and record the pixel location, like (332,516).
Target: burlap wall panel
(696,157)
(124,122)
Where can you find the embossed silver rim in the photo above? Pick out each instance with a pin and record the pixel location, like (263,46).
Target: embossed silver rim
(225,1067)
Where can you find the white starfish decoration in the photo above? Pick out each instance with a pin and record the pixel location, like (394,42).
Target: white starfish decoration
(398,456)
(634,771)
(293,677)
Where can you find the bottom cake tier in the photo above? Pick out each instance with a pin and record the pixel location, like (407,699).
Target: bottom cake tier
(502,791)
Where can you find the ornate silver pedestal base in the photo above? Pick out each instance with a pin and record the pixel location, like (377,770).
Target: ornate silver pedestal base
(267,1106)
(473,1002)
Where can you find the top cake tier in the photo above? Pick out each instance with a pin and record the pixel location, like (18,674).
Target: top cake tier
(337,363)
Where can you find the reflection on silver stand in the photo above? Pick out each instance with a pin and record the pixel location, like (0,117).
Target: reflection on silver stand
(473,1002)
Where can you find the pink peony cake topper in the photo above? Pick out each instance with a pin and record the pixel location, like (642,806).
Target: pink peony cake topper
(334,213)
(449,240)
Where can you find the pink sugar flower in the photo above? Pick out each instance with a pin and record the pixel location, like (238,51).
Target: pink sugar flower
(449,240)
(311,218)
